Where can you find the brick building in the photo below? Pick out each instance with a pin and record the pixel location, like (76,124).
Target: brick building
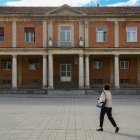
(78,47)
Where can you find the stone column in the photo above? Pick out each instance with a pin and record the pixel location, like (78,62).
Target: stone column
(50,76)
(14,72)
(111,70)
(19,74)
(44,34)
(116,71)
(138,69)
(81,72)
(116,34)
(87,71)
(14,34)
(44,72)
(86,34)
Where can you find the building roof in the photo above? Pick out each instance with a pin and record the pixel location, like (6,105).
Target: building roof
(86,10)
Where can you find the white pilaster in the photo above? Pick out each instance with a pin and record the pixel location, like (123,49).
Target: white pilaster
(14,34)
(81,72)
(81,29)
(50,29)
(44,71)
(50,76)
(116,34)
(86,34)
(87,71)
(14,72)
(44,34)
(116,71)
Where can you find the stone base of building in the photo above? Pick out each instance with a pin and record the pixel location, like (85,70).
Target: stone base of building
(117,91)
(67,92)
(23,91)
(78,92)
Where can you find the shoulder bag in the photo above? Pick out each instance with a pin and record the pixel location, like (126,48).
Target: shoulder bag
(101,104)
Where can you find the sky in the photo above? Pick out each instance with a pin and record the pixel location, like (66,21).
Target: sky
(69,2)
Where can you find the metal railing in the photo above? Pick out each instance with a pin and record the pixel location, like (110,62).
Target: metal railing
(64,44)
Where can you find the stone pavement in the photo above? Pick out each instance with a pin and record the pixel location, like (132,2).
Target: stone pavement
(42,117)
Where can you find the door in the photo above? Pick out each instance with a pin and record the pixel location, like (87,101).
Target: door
(65,72)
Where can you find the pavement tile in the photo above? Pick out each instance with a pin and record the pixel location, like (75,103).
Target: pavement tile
(68,118)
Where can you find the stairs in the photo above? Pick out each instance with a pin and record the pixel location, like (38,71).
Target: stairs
(66,85)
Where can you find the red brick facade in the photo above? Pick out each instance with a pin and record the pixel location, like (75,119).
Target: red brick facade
(21,34)
(71,55)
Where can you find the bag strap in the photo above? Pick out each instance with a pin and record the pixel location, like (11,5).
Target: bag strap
(105,96)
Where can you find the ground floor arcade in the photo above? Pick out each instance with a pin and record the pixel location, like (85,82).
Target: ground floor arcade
(68,70)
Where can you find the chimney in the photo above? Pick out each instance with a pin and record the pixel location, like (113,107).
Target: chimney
(98,5)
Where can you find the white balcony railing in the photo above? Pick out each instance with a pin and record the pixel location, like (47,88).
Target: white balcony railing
(66,44)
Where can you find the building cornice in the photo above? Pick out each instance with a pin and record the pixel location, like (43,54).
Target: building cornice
(66,16)
(112,51)
(69,51)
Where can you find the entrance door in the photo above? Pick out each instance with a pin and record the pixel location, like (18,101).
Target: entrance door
(65,72)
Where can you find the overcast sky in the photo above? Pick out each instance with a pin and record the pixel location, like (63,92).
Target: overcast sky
(69,2)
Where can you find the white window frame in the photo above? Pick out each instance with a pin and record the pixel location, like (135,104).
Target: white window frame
(29,37)
(66,43)
(101,34)
(6,64)
(67,38)
(33,65)
(97,64)
(67,33)
(124,64)
(131,34)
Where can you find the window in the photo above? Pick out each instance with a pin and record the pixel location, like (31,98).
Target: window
(33,82)
(131,34)
(6,82)
(33,64)
(124,64)
(101,34)
(1,34)
(97,65)
(65,36)
(98,81)
(29,35)
(6,64)
(124,81)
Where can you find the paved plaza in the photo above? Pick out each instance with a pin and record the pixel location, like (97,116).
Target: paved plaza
(42,117)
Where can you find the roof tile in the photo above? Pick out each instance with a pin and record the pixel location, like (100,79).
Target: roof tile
(87,10)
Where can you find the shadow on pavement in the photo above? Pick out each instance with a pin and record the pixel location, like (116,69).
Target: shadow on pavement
(126,135)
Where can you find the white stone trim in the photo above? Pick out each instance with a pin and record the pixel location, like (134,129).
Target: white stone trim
(44,34)
(50,29)
(116,34)
(14,34)
(87,71)
(86,33)
(44,71)
(14,72)
(81,72)
(81,29)
(111,70)
(50,75)
(72,32)
(138,70)
(19,71)
(116,71)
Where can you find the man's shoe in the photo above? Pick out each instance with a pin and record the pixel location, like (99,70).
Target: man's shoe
(100,129)
(117,129)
